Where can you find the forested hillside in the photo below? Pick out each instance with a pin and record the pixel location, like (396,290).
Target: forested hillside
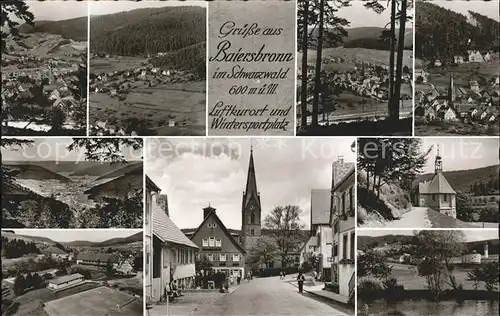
(148,31)
(442,33)
(75,29)
(371,38)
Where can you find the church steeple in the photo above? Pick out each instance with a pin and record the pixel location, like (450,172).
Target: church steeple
(451,91)
(251,187)
(438,163)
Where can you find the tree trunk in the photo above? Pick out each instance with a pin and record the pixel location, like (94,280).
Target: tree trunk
(305,46)
(391,59)
(378,188)
(368,180)
(317,79)
(399,64)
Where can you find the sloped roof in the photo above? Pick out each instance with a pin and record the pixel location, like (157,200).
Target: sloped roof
(67,278)
(224,229)
(320,206)
(438,184)
(167,231)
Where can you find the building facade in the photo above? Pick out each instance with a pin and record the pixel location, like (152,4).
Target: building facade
(343,226)
(96,259)
(437,193)
(151,188)
(320,228)
(218,246)
(65,281)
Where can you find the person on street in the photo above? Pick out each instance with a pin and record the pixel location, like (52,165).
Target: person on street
(300,279)
(238,279)
(315,275)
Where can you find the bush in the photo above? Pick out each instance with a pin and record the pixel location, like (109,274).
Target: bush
(276,271)
(369,290)
(393,290)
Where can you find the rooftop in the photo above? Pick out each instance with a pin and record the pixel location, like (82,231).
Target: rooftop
(67,278)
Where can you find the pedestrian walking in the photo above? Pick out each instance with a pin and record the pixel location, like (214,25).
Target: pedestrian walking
(238,279)
(300,279)
(315,275)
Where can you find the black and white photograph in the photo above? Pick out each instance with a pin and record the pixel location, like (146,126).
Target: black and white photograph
(49,272)
(354,68)
(147,68)
(72,183)
(243,225)
(428,182)
(44,68)
(456,79)
(427,272)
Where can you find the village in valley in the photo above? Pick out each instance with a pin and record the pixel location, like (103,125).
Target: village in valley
(50,272)
(356,88)
(447,183)
(457,88)
(224,249)
(148,84)
(44,71)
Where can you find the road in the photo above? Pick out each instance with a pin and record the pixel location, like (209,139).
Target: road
(269,296)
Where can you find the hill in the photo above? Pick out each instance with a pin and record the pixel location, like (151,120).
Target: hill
(148,31)
(110,242)
(367,242)
(98,169)
(129,168)
(120,188)
(461,180)
(442,33)
(74,29)
(34,172)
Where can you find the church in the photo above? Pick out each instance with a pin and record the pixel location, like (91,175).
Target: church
(437,193)
(227,248)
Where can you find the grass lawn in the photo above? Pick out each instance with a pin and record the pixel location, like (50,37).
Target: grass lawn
(100,65)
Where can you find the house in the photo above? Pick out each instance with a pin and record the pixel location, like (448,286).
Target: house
(487,57)
(437,193)
(174,254)
(65,281)
(218,246)
(457,59)
(343,227)
(151,188)
(125,267)
(310,247)
(474,85)
(447,114)
(475,57)
(437,63)
(96,259)
(320,227)
(405,258)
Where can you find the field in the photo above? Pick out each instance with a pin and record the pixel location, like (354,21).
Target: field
(105,65)
(360,54)
(185,103)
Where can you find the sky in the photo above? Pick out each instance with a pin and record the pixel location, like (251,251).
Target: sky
(359,16)
(488,8)
(66,235)
(109,7)
(462,153)
(469,235)
(196,172)
(58,10)
(54,149)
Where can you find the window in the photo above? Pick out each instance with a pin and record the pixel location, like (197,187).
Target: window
(204,242)
(353,236)
(252,232)
(236,257)
(210,257)
(210,225)
(343,203)
(222,257)
(211,242)
(351,198)
(434,197)
(218,243)
(216,257)
(344,247)
(446,197)
(335,250)
(156,262)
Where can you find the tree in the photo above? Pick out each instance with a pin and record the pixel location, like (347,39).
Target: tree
(489,214)
(284,223)
(490,275)
(138,262)
(110,270)
(20,10)
(203,264)
(264,251)
(437,248)
(105,149)
(19,284)
(465,211)
(372,263)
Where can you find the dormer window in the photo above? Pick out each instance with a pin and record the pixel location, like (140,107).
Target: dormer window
(210,225)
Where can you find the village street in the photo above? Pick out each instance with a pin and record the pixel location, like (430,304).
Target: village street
(261,296)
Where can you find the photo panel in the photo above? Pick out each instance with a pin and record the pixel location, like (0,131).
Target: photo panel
(72,272)
(44,68)
(428,182)
(72,183)
(231,208)
(457,70)
(427,272)
(251,58)
(352,79)
(148,68)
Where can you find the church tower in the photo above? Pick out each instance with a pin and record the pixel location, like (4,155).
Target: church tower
(451,91)
(438,163)
(250,209)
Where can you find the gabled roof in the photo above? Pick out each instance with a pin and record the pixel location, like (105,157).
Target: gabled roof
(320,206)
(67,278)
(312,240)
(437,185)
(165,229)
(224,229)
